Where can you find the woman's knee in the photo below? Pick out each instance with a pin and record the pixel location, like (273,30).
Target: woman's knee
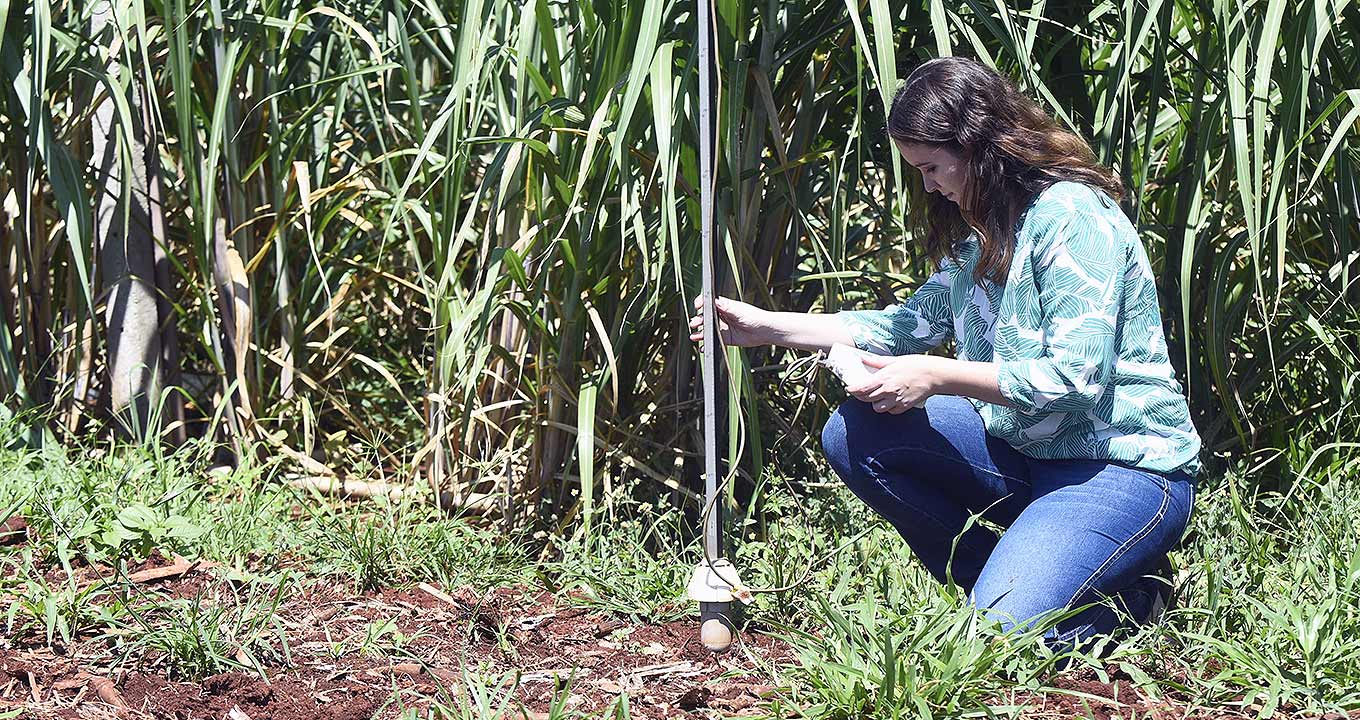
(855,435)
(846,438)
(835,443)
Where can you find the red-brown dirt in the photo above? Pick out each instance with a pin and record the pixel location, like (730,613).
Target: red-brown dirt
(355,656)
(13,530)
(373,655)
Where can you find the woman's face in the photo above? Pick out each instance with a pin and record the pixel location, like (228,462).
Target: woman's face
(942,170)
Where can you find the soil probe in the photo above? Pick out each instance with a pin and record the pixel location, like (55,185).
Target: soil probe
(712,592)
(715,583)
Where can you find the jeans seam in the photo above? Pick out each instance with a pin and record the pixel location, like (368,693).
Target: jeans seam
(927,451)
(1125,546)
(1189,510)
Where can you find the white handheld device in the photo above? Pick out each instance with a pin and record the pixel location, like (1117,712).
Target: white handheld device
(847,362)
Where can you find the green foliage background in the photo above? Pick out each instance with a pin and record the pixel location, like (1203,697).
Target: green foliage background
(466,231)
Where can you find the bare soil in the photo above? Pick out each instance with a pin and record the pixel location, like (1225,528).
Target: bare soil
(376,655)
(355,656)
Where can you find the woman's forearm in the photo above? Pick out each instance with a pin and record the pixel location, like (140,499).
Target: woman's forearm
(969,379)
(807,331)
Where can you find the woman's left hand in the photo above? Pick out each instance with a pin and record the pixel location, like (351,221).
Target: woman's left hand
(901,383)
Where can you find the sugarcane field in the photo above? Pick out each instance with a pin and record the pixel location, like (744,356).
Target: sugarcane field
(653,359)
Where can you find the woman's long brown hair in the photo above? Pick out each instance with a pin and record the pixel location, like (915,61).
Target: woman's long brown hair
(1012,148)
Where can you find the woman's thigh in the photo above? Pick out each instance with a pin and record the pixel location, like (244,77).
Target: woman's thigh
(939,455)
(1091,530)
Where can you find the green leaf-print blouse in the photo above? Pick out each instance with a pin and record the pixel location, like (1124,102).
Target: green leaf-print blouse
(1076,334)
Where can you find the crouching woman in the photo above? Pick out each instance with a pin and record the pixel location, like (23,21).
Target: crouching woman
(1060,418)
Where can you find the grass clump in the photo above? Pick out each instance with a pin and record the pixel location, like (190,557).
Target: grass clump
(1274,595)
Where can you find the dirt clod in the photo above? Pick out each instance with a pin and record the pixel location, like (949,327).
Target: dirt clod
(13,530)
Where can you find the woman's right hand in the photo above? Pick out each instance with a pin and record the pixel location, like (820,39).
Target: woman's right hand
(739,323)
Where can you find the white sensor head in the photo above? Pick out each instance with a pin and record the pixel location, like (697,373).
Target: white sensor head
(710,583)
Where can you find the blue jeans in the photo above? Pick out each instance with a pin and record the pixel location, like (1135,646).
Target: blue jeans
(1076,531)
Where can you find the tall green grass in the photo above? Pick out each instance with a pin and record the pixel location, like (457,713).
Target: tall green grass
(456,242)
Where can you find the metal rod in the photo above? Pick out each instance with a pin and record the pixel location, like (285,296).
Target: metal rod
(713,530)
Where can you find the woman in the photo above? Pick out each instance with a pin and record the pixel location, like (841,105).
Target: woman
(1061,419)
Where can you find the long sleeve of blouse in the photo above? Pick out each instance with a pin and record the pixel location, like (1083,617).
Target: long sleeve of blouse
(1075,333)
(916,325)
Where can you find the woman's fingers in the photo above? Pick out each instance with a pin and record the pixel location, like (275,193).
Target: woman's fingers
(719,304)
(698,334)
(860,391)
(877,361)
(871,391)
(884,393)
(893,406)
(882,398)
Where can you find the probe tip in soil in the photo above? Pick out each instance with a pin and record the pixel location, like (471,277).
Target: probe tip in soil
(716,635)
